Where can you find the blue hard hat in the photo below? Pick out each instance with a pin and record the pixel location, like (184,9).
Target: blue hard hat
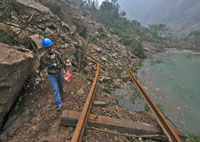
(46,42)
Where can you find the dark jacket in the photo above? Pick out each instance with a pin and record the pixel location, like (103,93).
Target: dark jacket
(52,61)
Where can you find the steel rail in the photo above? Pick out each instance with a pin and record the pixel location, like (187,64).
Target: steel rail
(168,130)
(80,127)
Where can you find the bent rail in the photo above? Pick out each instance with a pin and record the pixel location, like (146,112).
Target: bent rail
(168,130)
(80,127)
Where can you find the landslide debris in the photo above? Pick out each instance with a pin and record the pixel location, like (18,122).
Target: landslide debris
(77,37)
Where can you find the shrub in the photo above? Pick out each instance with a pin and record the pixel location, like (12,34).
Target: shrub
(194,138)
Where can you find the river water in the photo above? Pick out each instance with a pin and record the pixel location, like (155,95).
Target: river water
(172,80)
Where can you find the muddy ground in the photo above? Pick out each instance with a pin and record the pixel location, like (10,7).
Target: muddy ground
(35,119)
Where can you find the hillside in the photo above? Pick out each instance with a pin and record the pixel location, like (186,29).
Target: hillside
(181,15)
(116,43)
(24,23)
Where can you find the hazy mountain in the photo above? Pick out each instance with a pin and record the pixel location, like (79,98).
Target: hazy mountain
(181,15)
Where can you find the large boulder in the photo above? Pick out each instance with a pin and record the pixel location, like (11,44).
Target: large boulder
(15,65)
(30,7)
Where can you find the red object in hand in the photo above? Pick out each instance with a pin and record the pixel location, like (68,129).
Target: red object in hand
(67,76)
(75,63)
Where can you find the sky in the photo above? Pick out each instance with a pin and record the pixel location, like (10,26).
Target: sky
(139,9)
(100,1)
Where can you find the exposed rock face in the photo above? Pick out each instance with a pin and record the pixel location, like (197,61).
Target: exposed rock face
(15,65)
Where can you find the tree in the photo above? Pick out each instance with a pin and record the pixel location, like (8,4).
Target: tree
(159,30)
(110,15)
(122,13)
(114,1)
(108,12)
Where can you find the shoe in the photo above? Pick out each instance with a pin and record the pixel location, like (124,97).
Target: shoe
(59,108)
(63,91)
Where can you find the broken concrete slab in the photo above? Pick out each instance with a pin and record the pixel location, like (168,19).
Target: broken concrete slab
(15,65)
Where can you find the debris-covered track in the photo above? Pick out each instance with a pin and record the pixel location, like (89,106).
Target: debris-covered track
(82,122)
(80,127)
(168,130)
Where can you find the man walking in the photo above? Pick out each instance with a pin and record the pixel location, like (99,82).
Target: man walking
(53,61)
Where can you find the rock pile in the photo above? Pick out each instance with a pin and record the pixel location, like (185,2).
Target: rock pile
(71,28)
(73,33)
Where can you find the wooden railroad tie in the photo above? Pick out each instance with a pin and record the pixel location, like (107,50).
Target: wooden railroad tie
(70,118)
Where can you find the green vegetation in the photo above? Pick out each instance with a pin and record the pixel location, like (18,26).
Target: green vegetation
(109,81)
(132,139)
(135,68)
(194,138)
(135,45)
(194,37)
(96,37)
(159,106)
(160,30)
(125,79)
(130,31)
(194,34)
(146,107)
(6,7)
(118,70)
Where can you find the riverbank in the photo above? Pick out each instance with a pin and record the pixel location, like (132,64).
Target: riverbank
(166,77)
(177,51)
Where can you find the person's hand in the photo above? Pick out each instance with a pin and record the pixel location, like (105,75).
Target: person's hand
(64,71)
(39,77)
(37,73)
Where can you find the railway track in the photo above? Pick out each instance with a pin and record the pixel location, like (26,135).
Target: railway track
(167,129)
(82,122)
(80,127)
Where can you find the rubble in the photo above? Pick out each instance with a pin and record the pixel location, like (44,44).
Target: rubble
(37,40)
(70,29)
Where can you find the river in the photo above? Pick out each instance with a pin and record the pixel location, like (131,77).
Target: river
(172,80)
